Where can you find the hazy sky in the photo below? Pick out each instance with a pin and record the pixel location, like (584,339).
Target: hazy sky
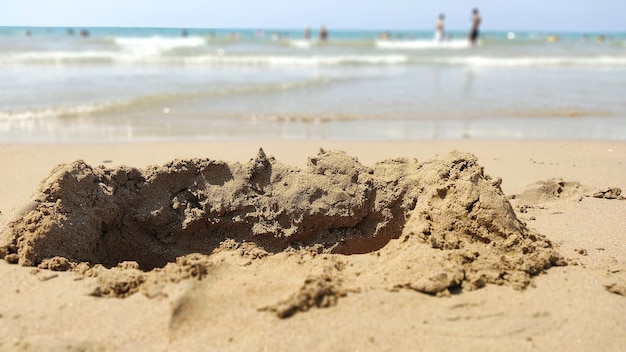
(585,15)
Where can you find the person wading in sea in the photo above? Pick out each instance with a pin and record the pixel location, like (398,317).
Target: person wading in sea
(473,34)
(439,28)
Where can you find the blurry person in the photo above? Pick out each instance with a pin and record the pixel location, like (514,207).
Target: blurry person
(439,28)
(184,33)
(307,33)
(323,33)
(473,34)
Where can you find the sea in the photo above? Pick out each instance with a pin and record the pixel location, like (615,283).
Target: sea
(77,85)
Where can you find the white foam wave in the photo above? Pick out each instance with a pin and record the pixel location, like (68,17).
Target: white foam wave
(302,43)
(149,102)
(54,112)
(59,57)
(156,44)
(527,61)
(224,58)
(219,58)
(422,44)
(265,60)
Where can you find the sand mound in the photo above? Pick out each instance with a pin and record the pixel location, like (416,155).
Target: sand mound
(553,189)
(153,216)
(558,189)
(449,223)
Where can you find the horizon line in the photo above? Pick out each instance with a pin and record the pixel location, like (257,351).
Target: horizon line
(314,28)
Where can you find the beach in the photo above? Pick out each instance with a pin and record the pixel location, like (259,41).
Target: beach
(246,189)
(234,298)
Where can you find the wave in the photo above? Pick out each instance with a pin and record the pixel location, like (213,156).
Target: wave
(219,58)
(150,102)
(156,44)
(64,57)
(302,43)
(422,44)
(535,61)
(298,60)
(55,112)
(225,57)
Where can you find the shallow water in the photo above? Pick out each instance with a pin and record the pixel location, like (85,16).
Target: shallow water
(123,84)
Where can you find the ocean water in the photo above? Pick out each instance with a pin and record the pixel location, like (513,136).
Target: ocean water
(135,84)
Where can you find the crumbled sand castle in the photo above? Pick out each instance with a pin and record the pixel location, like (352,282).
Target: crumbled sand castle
(432,227)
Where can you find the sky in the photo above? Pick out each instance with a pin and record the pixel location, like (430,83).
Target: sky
(539,15)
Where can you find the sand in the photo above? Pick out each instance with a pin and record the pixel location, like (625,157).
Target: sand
(441,245)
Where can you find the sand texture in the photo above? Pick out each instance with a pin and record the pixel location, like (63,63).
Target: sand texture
(458,229)
(335,254)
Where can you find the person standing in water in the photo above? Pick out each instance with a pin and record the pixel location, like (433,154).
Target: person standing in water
(473,34)
(323,35)
(439,28)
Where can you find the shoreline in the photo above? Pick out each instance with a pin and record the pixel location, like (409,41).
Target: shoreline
(567,124)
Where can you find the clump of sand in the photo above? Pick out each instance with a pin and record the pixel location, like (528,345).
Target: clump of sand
(559,189)
(553,189)
(321,291)
(432,227)
(609,193)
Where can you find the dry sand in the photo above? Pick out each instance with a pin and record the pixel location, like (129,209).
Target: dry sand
(390,245)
